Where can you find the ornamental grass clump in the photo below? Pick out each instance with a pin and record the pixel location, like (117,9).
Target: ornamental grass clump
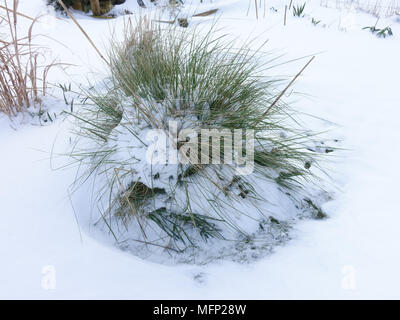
(189,144)
(22,75)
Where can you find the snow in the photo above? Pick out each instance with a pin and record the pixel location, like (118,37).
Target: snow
(352,83)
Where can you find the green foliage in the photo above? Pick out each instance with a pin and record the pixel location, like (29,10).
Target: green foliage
(202,81)
(380,33)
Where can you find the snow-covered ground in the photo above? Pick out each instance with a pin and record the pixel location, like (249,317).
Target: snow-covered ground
(353,84)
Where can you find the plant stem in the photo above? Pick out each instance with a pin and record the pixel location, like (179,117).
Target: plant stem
(83,31)
(287,87)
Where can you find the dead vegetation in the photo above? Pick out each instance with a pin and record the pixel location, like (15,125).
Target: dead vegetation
(22,77)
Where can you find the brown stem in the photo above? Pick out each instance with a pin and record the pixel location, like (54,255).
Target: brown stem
(18,13)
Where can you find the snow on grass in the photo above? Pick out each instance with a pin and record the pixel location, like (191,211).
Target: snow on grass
(380,8)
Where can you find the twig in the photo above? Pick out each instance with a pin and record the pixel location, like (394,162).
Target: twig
(265,8)
(83,31)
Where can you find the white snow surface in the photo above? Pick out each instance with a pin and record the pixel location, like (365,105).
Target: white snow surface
(352,83)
